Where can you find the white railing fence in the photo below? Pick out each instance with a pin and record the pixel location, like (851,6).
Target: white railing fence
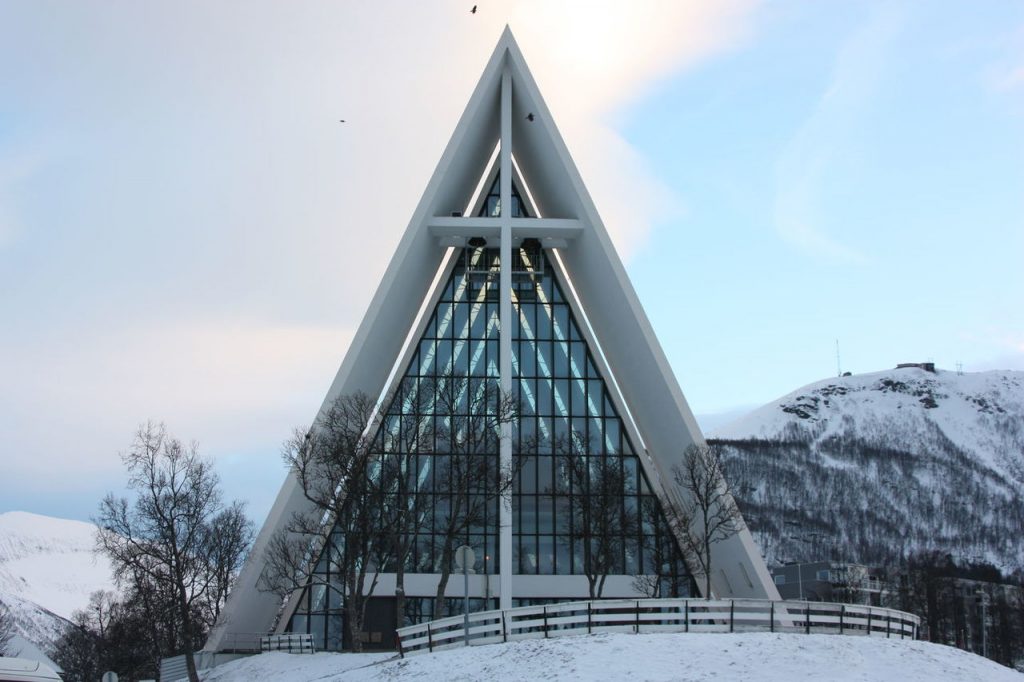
(657,615)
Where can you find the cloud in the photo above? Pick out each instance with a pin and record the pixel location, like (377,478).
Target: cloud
(802,170)
(207,235)
(228,384)
(596,59)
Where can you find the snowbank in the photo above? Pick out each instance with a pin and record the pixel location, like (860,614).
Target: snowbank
(760,657)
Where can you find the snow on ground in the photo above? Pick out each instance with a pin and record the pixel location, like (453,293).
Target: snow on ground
(692,657)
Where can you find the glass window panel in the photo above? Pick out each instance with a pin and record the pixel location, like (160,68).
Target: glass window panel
(544,435)
(494,321)
(477,358)
(528,320)
(578,405)
(544,366)
(591,370)
(545,513)
(528,393)
(543,327)
(544,388)
(629,466)
(460,319)
(578,353)
(318,598)
(545,474)
(561,352)
(516,321)
(563,554)
(561,435)
(594,392)
(300,623)
(547,286)
(478,318)
(631,515)
(528,554)
(444,356)
(335,631)
(561,322)
(528,514)
(493,357)
(528,358)
(561,387)
(632,552)
(609,409)
(546,555)
(611,436)
(318,628)
(444,321)
(528,475)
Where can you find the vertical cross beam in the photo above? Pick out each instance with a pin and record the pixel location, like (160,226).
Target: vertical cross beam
(505,339)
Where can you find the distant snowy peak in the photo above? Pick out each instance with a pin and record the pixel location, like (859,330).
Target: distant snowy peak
(50,562)
(23,534)
(981,413)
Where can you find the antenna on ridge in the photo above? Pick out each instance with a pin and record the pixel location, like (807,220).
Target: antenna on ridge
(839,369)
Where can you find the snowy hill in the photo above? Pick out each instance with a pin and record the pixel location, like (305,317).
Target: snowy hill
(47,571)
(879,464)
(693,657)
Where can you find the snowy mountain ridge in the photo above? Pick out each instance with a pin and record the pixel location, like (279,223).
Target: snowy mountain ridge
(874,466)
(47,572)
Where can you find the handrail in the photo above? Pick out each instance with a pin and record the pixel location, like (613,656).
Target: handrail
(657,615)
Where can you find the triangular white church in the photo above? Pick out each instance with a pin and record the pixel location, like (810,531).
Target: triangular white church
(507,272)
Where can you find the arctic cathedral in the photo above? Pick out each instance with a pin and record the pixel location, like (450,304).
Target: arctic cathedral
(506,276)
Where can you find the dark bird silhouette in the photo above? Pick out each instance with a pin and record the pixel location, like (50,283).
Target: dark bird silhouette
(473,11)
(341,120)
(530,117)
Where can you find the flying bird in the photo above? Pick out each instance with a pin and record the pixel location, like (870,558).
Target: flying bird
(341,120)
(473,11)
(530,117)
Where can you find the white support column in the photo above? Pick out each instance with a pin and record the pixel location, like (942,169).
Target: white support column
(505,342)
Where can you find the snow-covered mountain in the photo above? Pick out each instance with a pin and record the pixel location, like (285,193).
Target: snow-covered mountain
(47,572)
(872,466)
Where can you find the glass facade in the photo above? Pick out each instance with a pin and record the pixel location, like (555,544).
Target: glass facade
(568,443)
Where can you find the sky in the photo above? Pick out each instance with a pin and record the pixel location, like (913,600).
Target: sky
(189,234)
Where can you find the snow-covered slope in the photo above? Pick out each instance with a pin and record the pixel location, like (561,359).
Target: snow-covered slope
(692,657)
(887,462)
(47,572)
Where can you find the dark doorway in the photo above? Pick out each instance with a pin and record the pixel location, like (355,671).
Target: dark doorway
(378,626)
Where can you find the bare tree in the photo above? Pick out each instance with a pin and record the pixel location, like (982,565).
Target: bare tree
(707,513)
(6,630)
(665,577)
(174,533)
(345,541)
(593,486)
(470,479)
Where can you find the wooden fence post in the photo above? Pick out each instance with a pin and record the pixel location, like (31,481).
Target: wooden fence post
(771,618)
(430,638)
(504,628)
(545,621)
(732,614)
(686,606)
(842,615)
(638,618)
(869,621)
(589,625)
(807,618)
